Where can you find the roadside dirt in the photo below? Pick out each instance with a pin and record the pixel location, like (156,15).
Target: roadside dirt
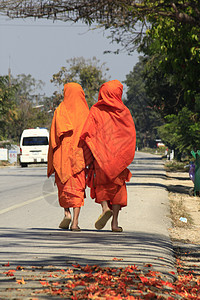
(183,206)
(184,235)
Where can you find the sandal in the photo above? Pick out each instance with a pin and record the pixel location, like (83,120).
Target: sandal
(119,229)
(103,219)
(65,223)
(75,229)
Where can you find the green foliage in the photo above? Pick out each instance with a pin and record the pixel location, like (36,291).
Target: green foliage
(27,88)
(8,108)
(146,118)
(173,81)
(166,96)
(126,20)
(30,110)
(178,50)
(172,70)
(23,106)
(171,46)
(87,73)
(177,166)
(182,131)
(18,108)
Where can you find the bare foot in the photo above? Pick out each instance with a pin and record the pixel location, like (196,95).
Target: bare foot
(67,213)
(77,228)
(117,229)
(105,207)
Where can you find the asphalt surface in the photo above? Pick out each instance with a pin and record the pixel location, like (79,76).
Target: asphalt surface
(145,221)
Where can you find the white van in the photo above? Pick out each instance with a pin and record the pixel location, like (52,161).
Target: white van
(34,144)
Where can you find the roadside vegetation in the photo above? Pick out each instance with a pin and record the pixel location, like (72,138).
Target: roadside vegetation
(163,89)
(24,105)
(177,166)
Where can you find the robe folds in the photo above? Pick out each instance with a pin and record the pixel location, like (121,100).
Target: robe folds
(110,134)
(66,155)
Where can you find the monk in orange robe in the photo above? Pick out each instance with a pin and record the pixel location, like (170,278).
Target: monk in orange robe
(66,155)
(110,134)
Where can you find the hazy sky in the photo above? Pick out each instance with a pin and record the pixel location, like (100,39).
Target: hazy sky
(41,48)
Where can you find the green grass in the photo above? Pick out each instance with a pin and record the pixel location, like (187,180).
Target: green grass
(174,166)
(159,151)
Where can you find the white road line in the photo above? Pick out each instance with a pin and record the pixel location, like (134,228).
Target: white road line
(24,203)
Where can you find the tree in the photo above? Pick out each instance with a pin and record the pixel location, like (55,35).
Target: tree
(104,11)
(173,25)
(87,73)
(18,108)
(8,108)
(30,110)
(28,88)
(167,97)
(175,53)
(172,80)
(181,132)
(146,118)
(127,19)
(166,31)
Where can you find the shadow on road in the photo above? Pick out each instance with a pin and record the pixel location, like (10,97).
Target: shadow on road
(40,246)
(150,185)
(181,189)
(189,258)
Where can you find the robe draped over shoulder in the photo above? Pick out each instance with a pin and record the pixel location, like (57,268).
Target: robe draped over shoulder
(66,155)
(109,131)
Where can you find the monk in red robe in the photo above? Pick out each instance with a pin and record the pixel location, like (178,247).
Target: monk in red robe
(110,134)
(66,155)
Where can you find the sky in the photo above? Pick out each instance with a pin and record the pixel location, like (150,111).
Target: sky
(41,48)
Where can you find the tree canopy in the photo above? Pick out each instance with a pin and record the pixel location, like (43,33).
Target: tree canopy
(104,11)
(181,132)
(126,19)
(146,118)
(23,105)
(89,73)
(18,108)
(167,32)
(8,108)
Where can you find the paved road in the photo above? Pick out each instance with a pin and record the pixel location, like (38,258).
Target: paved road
(29,218)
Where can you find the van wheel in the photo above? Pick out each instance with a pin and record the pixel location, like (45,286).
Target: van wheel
(24,165)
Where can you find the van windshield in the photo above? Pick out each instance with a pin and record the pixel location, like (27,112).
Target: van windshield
(35,141)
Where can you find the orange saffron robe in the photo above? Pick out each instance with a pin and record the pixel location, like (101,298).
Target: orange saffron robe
(110,134)
(66,155)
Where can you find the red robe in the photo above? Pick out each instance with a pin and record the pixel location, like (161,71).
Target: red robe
(110,134)
(66,155)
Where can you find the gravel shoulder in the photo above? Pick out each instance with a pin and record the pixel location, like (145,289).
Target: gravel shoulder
(184,235)
(183,206)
